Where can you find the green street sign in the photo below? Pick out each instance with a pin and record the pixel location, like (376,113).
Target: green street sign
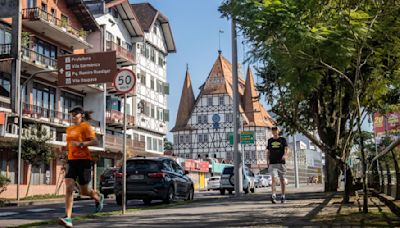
(247,137)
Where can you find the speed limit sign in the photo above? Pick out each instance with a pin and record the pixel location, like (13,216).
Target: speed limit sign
(124,81)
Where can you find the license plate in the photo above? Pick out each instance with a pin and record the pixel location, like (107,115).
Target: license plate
(136,177)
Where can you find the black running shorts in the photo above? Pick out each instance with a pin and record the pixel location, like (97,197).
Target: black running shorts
(79,170)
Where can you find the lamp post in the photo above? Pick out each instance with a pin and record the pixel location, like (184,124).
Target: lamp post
(22,90)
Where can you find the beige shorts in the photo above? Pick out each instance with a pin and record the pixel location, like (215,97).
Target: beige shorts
(277,170)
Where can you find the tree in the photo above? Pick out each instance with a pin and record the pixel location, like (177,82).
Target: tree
(324,65)
(35,148)
(167,145)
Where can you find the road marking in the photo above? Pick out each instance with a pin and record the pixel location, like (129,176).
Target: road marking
(40,210)
(7,213)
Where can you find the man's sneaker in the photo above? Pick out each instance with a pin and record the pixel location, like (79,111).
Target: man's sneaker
(273,199)
(67,222)
(99,205)
(283,199)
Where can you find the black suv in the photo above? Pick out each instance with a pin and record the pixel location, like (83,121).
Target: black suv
(150,179)
(107,180)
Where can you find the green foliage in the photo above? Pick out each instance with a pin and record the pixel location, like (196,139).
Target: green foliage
(4,181)
(35,147)
(167,145)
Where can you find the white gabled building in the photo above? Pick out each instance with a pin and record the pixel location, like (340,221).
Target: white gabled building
(203,125)
(151,110)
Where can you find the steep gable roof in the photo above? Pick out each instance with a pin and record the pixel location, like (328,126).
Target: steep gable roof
(186,104)
(254,110)
(148,15)
(128,16)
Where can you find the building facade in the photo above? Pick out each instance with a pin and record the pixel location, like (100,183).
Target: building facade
(49,29)
(150,101)
(204,125)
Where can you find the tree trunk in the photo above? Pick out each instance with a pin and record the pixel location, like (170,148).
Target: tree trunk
(61,180)
(389,179)
(29,181)
(396,167)
(348,187)
(332,172)
(382,177)
(374,182)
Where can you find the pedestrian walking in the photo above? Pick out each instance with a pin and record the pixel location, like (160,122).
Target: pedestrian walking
(80,135)
(277,153)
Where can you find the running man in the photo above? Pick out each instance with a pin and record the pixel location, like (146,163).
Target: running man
(80,135)
(277,153)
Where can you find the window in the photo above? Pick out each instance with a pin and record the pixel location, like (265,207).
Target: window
(41,174)
(202,119)
(113,103)
(109,36)
(160,145)
(142,138)
(31,3)
(53,13)
(5,84)
(253,155)
(5,37)
(155,144)
(181,139)
(147,53)
(44,101)
(47,50)
(166,115)
(152,111)
(221,100)
(142,49)
(153,55)
(203,138)
(176,139)
(143,79)
(229,117)
(247,155)
(135,137)
(200,138)
(188,139)
(69,100)
(205,119)
(160,59)
(44,7)
(148,143)
(210,101)
(152,83)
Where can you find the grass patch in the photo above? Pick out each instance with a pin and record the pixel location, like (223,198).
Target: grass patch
(41,197)
(110,213)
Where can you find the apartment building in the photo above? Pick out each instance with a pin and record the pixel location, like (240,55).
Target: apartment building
(151,109)
(50,28)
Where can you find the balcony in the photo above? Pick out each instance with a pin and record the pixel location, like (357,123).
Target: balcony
(33,62)
(44,114)
(124,56)
(115,118)
(58,30)
(115,143)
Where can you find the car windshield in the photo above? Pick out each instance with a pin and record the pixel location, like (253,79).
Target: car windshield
(228,170)
(142,165)
(214,178)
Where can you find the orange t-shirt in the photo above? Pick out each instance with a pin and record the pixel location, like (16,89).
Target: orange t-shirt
(80,133)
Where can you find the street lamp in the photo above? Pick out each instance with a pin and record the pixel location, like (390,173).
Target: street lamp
(22,90)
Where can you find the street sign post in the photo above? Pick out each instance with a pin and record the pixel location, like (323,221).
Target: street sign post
(92,68)
(124,82)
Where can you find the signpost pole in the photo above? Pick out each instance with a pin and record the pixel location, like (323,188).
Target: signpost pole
(124,161)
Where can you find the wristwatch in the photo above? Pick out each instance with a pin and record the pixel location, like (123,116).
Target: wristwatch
(81,145)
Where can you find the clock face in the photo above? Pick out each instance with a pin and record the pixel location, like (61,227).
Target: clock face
(216,118)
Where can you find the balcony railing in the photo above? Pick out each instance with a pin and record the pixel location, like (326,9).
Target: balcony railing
(35,111)
(120,51)
(5,50)
(39,14)
(117,142)
(117,117)
(5,105)
(39,58)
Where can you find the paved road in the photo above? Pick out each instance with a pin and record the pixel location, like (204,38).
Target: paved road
(14,216)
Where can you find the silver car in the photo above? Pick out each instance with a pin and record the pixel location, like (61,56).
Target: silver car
(213,183)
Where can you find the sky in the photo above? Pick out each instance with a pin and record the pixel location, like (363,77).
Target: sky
(195,26)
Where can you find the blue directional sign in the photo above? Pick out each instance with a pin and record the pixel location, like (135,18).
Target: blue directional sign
(216,118)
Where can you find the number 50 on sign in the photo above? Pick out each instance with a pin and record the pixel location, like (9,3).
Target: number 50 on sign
(124,81)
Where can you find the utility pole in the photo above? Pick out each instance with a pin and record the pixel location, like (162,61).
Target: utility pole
(236,155)
(296,168)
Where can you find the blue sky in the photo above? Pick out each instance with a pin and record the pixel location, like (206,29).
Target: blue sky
(195,25)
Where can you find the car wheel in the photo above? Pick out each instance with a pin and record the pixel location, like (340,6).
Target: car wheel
(170,195)
(252,190)
(230,192)
(118,199)
(222,191)
(246,190)
(147,201)
(190,194)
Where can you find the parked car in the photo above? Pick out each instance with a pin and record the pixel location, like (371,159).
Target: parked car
(107,180)
(228,180)
(157,178)
(213,183)
(260,181)
(268,180)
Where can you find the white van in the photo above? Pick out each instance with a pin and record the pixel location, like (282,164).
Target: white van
(228,180)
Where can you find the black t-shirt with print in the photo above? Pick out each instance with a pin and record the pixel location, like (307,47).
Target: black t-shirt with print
(276,149)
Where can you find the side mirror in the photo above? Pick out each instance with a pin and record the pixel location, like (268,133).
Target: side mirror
(186,172)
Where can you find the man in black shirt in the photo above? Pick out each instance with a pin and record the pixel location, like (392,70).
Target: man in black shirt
(277,153)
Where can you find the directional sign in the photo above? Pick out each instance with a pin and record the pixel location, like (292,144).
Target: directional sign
(247,137)
(124,81)
(92,68)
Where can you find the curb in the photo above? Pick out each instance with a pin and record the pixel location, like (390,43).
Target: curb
(388,200)
(40,202)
